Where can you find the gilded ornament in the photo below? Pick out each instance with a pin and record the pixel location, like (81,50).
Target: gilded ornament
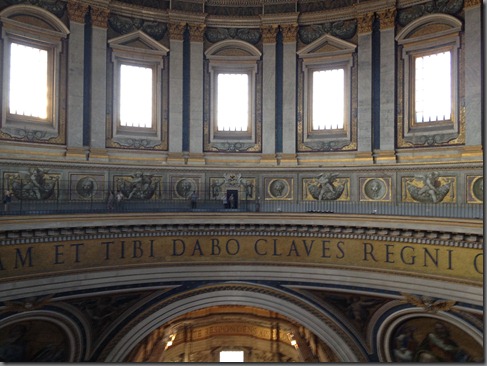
(471,3)
(387,18)
(289,32)
(365,23)
(176,31)
(77,11)
(197,32)
(269,33)
(99,16)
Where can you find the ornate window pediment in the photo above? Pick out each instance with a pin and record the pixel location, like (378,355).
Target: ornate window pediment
(139,89)
(327,84)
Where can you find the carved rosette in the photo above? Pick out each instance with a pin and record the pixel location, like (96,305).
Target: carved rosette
(387,18)
(176,31)
(77,11)
(365,23)
(289,32)
(269,33)
(197,32)
(99,17)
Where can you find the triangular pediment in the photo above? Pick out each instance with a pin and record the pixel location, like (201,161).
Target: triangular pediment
(327,45)
(138,41)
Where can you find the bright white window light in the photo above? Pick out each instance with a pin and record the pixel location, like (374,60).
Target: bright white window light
(433,87)
(231,356)
(328,111)
(28,94)
(135,96)
(233,102)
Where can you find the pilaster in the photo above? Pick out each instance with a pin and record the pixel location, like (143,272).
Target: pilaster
(269,34)
(387,87)
(364,125)
(99,18)
(473,79)
(76,71)
(197,32)
(289,35)
(176,34)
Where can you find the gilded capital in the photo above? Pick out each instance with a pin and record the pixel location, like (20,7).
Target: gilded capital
(197,32)
(176,31)
(77,11)
(289,32)
(99,16)
(269,33)
(471,3)
(365,23)
(387,18)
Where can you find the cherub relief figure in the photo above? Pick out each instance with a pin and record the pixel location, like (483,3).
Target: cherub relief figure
(34,184)
(326,187)
(432,191)
(141,186)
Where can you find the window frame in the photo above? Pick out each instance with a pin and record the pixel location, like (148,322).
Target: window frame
(156,95)
(428,35)
(49,35)
(138,49)
(250,71)
(309,69)
(327,53)
(232,57)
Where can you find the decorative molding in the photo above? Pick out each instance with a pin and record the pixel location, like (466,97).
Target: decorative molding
(176,31)
(365,23)
(197,32)
(125,25)
(429,304)
(77,11)
(289,32)
(341,29)
(99,16)
(471,3)
(104,231)
(269,33)
(387,18)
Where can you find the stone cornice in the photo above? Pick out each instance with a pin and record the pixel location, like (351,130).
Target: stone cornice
(372,227)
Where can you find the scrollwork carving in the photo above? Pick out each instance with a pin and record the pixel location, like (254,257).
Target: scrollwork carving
(251,36)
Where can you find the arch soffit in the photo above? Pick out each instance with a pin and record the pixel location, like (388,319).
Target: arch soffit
(344,347)
(35,12)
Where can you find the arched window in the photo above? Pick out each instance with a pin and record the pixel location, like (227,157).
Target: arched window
(233,68)
(33,65)
(429,80)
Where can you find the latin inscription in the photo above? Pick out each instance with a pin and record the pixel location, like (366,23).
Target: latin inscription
(49,257)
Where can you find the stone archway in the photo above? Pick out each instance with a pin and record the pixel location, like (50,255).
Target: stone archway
(341,343)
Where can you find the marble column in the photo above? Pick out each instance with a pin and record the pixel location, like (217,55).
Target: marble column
(473,67)
(289,33)
(364,118)
(75,82)
(176,33)
(98,93)
(196,91)
(387,96)
(269,34)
